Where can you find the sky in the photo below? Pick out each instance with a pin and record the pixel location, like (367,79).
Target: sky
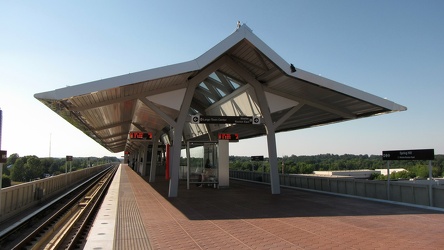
(392,49)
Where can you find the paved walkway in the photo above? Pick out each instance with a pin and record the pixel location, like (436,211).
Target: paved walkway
(247,216)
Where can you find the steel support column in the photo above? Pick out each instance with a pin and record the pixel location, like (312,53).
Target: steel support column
(181,119)
(269,126)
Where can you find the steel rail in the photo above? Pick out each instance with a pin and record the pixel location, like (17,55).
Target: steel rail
(41,236)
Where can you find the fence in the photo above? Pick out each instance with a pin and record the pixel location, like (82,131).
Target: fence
(17,198)
(405,192)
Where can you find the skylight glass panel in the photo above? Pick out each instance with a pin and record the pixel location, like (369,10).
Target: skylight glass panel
(203,85)
(193,110)
(234,84)
(211,100)
(221,93)
(215,77)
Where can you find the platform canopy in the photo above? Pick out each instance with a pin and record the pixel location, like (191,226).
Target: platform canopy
(150,101)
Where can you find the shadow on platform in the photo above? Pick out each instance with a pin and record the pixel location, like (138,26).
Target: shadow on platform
(246,200)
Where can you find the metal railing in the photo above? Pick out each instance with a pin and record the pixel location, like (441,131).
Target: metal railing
(431,194)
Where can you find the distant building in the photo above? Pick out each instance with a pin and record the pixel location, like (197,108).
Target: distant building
(357,174)
(384,171)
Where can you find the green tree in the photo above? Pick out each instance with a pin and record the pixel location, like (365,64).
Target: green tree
(375,176)
(27,168)
(34,168)
(6,181)
(420,171)
(18,170)
(403,175)
(10,161)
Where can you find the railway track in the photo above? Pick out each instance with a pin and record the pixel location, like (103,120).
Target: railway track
(68,224)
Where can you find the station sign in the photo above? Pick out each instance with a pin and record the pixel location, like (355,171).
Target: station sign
(230,137)
(140,136)
(257,158)
(414,154)
(225,119)
(69,158)
(3,156)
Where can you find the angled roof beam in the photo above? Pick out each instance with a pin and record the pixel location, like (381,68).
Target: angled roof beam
(156,109)
(198,105)
(206,92)
(233,94)
(268,122)
(138,126)
(225,82)
(115,149)
(121,141)
(204,95)
(112,136)
(120,144)
(127,98)
(287,115)
(113,125)
(312,101)
(249,64)
(209,83)
(261,58)
(267,73)
(224,87)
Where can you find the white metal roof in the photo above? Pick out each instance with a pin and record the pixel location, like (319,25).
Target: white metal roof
(106,110)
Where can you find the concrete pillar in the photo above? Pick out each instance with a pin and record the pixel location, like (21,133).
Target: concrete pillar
(153,167)
(144,155)
(223,164)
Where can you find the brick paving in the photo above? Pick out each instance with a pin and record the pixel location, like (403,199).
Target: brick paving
(248,216)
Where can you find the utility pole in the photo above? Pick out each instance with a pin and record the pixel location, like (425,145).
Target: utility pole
(50,139)
(1,160)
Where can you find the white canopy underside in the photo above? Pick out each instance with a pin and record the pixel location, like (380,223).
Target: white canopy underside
(150,101)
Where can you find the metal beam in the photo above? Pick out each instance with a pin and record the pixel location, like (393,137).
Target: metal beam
(113,125)
(314,102)
(264,107)
(156,109)
(127,98)
(287,115)
(181,119)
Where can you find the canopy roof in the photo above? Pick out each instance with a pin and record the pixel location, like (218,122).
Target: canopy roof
(149,101)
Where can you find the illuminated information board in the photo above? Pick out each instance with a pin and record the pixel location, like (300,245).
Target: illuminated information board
(140,136)
(230,137)
(225,119)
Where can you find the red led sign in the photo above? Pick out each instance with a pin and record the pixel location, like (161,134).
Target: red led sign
(140,136)
(230,137)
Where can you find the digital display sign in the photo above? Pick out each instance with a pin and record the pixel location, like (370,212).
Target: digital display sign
(230,137)
(225,119)
(414,154)
(69,158)
(140,136)
(257,158)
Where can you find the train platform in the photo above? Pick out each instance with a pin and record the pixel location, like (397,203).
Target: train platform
(140,215)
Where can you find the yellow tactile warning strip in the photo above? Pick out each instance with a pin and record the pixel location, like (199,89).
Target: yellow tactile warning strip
(247,216)
(130,232)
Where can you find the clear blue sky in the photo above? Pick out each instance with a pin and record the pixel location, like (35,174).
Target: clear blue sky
(393,49)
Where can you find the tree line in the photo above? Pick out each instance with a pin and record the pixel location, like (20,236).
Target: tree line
(329,162)
(31,167)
